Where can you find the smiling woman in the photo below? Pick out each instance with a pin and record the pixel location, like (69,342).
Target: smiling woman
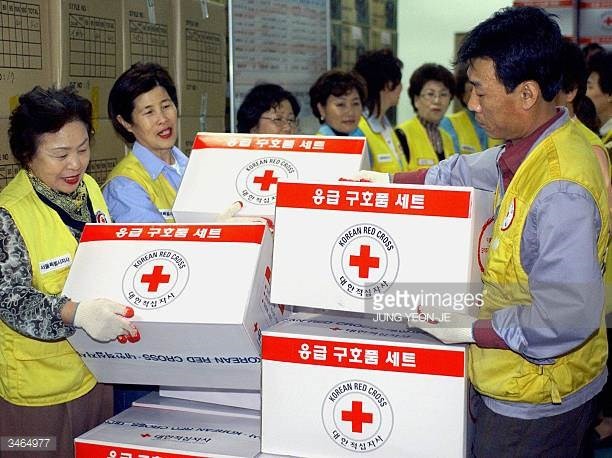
(45,389)
(143,108)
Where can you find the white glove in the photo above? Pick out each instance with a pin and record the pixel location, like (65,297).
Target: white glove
(229,216)
(103,319)
(448,327)
(369,176)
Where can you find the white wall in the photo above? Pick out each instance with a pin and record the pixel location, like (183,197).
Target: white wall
(426,33)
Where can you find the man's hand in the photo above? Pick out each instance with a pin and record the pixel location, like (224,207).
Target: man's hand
(105,320)
(229,216)
(368,176)
(448,327)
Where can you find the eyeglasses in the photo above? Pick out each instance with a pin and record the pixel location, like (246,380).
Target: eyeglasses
(431,95)
(291,122)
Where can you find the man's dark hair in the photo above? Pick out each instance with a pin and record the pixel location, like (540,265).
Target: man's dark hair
(136,80)
(524,44)
(260,99)
(42,111)
(430,72)
(379,69)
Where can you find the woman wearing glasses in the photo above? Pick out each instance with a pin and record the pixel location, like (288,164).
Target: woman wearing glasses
(431,89)
(268,109)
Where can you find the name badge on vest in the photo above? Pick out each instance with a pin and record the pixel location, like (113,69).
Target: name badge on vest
(509,216)
(384,158)
(166,213)
(425,161)
(59,262)
(467,149)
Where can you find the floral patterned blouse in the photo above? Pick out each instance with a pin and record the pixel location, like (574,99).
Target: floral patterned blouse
(23,308)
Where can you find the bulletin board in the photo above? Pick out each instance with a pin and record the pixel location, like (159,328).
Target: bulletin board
(284,42)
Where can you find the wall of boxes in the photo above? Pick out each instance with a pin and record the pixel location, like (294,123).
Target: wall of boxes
(88,44)
(361,25)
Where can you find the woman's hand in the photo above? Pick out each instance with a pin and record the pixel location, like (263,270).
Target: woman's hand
(104,320)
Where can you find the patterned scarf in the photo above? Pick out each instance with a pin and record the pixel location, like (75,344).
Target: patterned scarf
(74,204)
(434,136)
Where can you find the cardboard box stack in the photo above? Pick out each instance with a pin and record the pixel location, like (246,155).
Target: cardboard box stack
(200,291)
(358,26)
(25,62)
(200,54)
(375,254)
(87,53)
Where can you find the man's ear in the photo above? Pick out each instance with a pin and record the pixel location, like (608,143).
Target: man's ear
(529,92)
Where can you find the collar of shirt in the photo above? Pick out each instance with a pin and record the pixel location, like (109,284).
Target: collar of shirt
(326,129)
(153,164)
(375,124)
(516,151)
(607,127)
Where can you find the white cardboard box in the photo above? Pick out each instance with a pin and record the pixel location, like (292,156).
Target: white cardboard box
(374,243)
(158,401)
(224,168)
(140,432)
(200,294)
(346,387)
(244,399)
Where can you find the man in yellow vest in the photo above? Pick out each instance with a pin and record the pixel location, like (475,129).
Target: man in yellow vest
(467,135)
(538,349)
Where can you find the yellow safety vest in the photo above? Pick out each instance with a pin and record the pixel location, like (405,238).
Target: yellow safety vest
(34,372)
(422,153)
(383,158)
(503,374)
(607,141)
(467,135)
(160,190)
(594,140)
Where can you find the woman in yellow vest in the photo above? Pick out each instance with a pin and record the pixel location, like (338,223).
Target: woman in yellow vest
(467,135)
(382,72)
(431,89)
(45,389)
(142,106)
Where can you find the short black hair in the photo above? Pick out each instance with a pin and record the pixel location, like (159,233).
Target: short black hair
(589,50)
(430,72)
(136,80)
(43,111)
(524,44)
(260,99)
(379,69)
(601,63)
(336,83)
(573,68)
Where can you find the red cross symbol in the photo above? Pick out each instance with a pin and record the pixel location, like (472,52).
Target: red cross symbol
(608,20)
(267,180)
(357,416)
(364,261)
(155,278)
